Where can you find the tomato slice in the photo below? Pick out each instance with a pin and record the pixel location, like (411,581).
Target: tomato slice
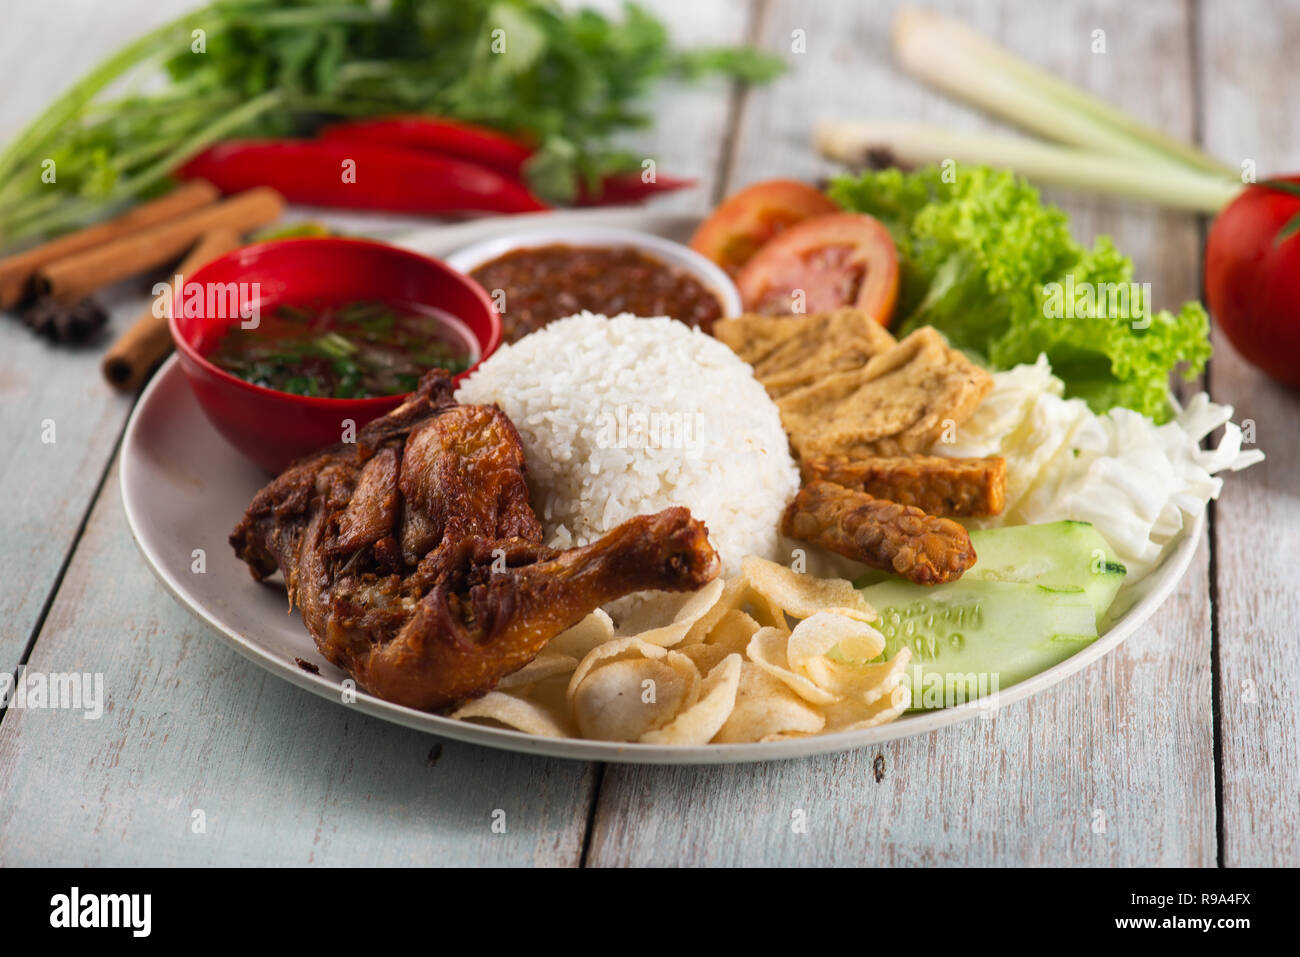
(841,259)
(746,220)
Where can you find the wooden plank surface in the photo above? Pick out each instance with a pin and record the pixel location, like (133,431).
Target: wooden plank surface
(1246,47)
(1108,768)
(47,487)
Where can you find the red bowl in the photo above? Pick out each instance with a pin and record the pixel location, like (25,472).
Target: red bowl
(273,428)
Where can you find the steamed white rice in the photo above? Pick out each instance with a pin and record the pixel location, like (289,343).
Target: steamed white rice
(627,416)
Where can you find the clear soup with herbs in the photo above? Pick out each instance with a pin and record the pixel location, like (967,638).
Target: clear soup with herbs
(357,350)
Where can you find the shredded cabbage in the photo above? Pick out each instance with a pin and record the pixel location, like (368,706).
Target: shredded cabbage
(1139,483)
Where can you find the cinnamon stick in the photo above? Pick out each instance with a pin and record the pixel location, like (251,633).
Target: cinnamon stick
(148,340)
(17,271)
(78,275)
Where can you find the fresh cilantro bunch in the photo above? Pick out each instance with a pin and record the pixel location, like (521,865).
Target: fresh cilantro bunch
(569,81)
(985,262)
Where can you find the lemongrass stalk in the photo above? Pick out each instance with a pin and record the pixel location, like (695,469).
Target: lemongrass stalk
(957,60)
(912,144)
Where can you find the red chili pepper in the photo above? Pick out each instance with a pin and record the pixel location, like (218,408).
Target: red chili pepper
(619,188)
(357,176)
(489,147)
(478,144)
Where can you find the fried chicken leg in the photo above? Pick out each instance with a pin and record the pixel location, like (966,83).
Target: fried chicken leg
(881,534)
(418,564)
(457,644)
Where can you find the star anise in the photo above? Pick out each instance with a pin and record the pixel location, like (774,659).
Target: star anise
(65,323)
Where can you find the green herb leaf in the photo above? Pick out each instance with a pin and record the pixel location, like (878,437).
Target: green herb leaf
(747,66)
(1282,186)
(987,263)
(570,81)
(1287,231)
(1292,225)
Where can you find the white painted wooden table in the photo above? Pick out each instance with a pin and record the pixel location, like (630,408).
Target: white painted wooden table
(1179,749)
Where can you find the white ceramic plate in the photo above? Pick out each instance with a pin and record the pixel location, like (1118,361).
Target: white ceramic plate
(184,489)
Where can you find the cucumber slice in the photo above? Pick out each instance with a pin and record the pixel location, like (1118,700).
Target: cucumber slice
(970,638)
(1058,554)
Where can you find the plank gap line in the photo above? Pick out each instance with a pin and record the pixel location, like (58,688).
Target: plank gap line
(75,541)
(736,101)
(597,778)
(1211,517)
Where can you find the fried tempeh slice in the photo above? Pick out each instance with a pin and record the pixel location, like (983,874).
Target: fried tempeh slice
(790,352)
(897,404)
(932,483)
(896,538)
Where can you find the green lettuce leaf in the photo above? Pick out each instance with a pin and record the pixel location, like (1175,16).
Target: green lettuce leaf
(993,268)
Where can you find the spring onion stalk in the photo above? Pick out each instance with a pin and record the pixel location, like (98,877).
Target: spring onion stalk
(912,144)
(150,47)
(964,64)
(152,175)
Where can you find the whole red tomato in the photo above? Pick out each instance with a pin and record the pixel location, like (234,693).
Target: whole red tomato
(1252,277)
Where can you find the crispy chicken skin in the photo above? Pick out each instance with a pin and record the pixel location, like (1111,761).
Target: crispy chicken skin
(896,538)
(418,564)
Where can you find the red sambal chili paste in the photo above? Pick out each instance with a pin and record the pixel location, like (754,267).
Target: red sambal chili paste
(546,283)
